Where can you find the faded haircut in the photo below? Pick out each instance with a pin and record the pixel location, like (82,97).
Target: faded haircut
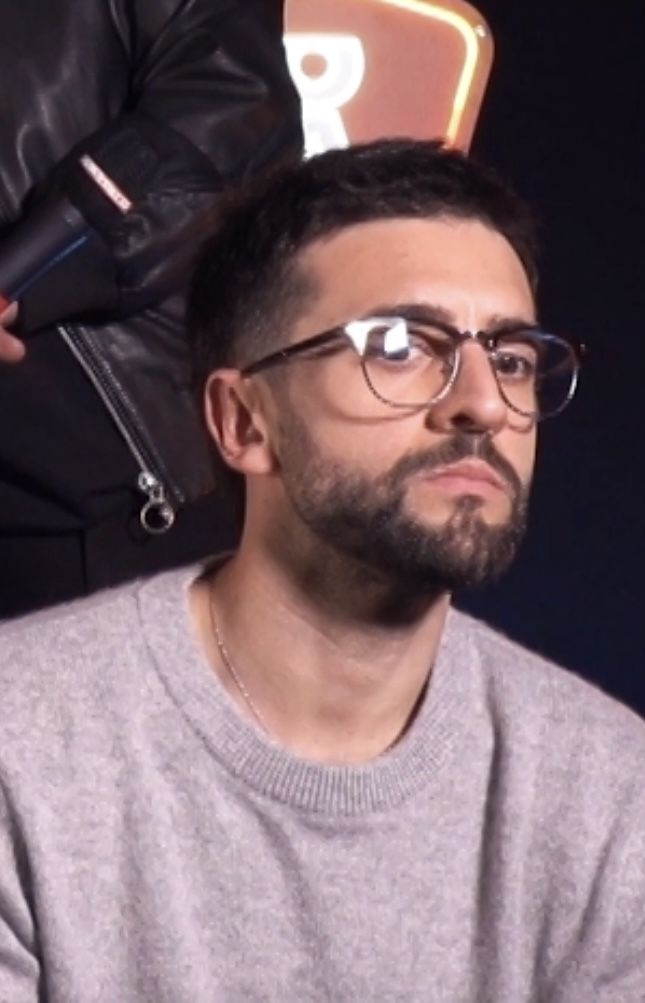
(247,289)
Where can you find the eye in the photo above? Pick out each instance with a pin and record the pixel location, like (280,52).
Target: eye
(405,343)
(517,360)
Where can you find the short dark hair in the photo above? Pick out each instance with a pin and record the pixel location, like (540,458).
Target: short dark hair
(247,289)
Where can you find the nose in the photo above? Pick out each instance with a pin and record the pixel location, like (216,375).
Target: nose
(474,403)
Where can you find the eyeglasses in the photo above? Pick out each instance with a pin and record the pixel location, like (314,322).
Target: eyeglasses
(414,364)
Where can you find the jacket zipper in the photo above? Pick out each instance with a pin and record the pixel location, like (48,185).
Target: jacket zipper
(157,514)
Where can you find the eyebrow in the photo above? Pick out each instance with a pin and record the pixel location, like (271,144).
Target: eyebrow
(428,313)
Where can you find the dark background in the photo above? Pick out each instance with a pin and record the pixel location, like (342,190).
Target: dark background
(563,119)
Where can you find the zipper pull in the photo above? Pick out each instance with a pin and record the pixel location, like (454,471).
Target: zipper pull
(157,515)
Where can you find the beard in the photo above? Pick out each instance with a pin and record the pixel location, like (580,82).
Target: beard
(366,519)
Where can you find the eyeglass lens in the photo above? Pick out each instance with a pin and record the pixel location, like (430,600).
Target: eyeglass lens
(413,365)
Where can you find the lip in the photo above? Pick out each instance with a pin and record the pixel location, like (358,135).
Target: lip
(473,473)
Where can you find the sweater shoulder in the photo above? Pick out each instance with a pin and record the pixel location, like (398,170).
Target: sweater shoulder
(62,660)
(540,695)
(64,638)
(80,685)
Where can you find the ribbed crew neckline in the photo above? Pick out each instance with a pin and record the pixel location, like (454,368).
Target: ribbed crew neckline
(273,771)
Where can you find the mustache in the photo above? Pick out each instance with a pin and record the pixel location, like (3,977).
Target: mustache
(452,450)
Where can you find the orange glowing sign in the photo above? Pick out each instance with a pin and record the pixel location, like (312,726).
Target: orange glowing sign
(372,68)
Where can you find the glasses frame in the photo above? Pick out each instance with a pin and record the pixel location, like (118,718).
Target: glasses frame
(355,332)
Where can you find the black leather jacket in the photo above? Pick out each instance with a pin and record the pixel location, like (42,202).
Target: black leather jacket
(184,98)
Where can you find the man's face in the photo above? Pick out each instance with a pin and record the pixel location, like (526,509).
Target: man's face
(431,498)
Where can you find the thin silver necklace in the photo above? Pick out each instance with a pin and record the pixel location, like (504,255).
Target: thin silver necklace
(241,688)
(230,668)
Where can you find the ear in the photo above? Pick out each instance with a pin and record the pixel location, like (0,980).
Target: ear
(235,418)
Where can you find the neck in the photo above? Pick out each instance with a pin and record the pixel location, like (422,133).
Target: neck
(334,674)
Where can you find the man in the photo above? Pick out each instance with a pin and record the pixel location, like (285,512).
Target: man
(174,101)
(297,774)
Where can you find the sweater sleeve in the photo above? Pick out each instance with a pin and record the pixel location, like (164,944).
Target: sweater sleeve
(19,966)
(608,966)
(211,105)
(621,975)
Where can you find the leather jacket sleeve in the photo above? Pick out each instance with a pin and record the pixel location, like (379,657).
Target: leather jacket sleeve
(211,105)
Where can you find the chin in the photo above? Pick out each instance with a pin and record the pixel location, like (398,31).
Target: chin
(495,515)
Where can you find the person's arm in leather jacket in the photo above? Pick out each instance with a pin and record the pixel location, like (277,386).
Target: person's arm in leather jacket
(212,105)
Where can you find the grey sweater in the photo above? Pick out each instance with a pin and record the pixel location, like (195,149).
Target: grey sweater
(155,847)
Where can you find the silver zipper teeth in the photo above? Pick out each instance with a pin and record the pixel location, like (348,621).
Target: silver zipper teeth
(157,514)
